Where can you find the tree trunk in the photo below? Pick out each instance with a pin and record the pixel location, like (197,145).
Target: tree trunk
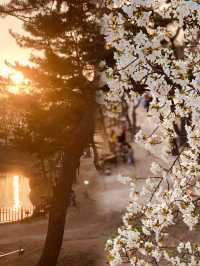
(183,133)
(96,159)
(43,168)
(134,118)
(58,212)
(83,129)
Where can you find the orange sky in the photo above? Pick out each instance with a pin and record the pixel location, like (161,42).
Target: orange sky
(8,48)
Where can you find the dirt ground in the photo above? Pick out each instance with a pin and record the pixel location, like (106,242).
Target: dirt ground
(97,217)
(100,205)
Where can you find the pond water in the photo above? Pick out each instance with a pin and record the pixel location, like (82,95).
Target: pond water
(14,191)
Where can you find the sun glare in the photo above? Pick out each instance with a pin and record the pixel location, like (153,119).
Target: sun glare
(5,72)
(16,191)
(17,78)
(14,89)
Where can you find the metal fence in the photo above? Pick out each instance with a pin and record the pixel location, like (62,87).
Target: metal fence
(14,214)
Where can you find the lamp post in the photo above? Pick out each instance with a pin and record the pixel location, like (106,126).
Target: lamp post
(86,183)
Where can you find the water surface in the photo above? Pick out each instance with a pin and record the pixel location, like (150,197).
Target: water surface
(14,191)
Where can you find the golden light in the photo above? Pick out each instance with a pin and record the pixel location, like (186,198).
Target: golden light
(16,196)
(86,182)
(14,89)
(17,78)
(5,71)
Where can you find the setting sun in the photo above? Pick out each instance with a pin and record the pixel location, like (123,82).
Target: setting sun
(17,78)
(94,94)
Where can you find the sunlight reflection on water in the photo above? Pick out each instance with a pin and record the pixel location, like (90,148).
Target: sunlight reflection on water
(16,195)
(14,191)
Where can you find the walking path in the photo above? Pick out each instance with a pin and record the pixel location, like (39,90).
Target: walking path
(100,206)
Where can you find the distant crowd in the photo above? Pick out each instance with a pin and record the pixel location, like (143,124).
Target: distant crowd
(119,139)
(119,145)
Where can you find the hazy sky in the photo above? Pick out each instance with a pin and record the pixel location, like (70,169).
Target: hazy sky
(9,50)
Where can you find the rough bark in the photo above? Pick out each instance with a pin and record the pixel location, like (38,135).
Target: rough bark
(58,212)
(81,137)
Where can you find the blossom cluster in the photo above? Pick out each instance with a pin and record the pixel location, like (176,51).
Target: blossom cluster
(152,43)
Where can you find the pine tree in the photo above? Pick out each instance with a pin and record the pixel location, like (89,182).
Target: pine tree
(59,116)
